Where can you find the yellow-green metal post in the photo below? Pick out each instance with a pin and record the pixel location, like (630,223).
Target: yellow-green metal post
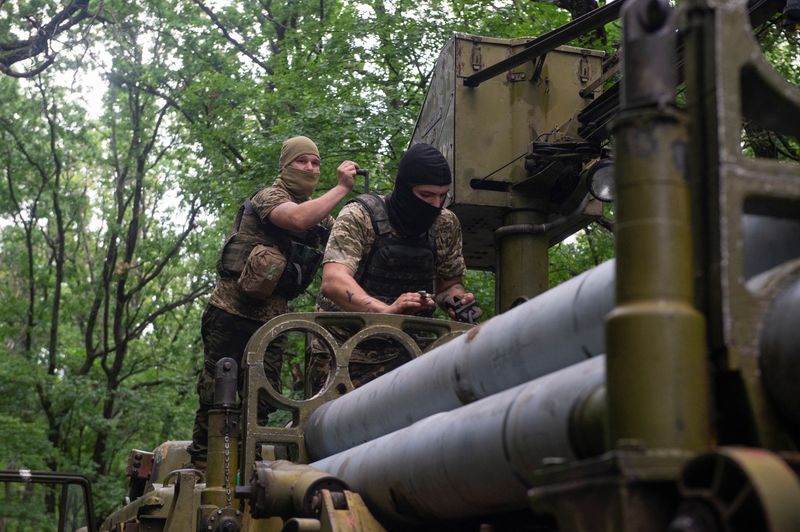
(223,439)
(522,260)
(657,376)
(223,458)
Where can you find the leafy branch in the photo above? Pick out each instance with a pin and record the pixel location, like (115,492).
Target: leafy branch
(40,38)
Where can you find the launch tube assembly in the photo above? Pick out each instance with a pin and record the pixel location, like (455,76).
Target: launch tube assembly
(478,459)
(559,328)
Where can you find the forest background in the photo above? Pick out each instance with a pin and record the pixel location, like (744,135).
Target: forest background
(130,131)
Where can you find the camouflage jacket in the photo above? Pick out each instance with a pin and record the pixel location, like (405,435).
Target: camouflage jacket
(352,237)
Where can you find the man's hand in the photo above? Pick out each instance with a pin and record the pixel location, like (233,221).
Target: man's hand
(410,303)
(346,172)
(299,217)
(462,308)
(459,304)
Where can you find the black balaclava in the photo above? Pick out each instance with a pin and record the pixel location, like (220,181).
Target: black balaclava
(422,164)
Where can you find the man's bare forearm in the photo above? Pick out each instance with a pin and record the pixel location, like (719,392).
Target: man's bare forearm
(339,286)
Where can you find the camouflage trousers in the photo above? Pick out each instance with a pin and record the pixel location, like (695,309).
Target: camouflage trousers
(226,335)
(369,361)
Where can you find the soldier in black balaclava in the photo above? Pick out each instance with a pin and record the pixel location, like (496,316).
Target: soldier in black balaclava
(391,254)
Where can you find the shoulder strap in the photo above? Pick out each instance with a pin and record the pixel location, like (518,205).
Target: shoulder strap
(246,206)
(376,208)
(432,240)
(237,223)
(274,233)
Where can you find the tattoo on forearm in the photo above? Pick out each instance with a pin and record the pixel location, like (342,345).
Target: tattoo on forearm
(349,296)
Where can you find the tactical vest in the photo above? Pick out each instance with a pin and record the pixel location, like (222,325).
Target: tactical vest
(302,249)
(394,265)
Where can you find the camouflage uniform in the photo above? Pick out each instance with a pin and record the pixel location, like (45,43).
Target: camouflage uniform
(230,319)
(350,243)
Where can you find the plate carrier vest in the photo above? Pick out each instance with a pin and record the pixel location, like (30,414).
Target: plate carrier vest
(394,265)
(302,249)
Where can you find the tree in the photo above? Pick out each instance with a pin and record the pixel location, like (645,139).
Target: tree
(111,262)
(44,29)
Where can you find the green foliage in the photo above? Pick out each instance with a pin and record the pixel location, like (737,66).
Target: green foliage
(780,46)
(100,232)
(589,248)
(481,284)
(24,443)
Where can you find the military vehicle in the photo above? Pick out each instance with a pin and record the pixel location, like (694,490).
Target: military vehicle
(655,392)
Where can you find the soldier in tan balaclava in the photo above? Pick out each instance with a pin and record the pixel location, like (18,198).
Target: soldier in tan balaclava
(277,225)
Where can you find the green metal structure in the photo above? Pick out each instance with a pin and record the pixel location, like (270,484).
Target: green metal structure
(489,135)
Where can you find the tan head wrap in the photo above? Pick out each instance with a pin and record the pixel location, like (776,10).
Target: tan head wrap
(295,147)
(299,183)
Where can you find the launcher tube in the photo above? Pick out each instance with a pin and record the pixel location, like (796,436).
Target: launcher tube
(559,328)
(477,459)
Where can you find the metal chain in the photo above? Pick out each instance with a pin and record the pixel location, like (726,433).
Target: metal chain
(227,455)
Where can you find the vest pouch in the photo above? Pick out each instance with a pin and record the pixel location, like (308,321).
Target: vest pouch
(301,264)
(263,269)
(235,250)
